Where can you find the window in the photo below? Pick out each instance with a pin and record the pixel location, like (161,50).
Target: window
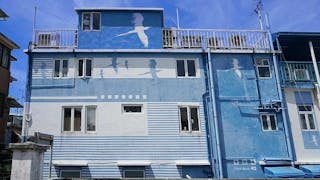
(84,67)
(186,68)
(133,174)
(60,68)
(91,118)
(269,122)
(70,173)
(5,57)
(132,108)
(263,68)
(189,119)
(306,117)
(91,21)
(72,119)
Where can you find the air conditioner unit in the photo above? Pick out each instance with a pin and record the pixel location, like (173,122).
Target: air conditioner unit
(301,75)
(48,40)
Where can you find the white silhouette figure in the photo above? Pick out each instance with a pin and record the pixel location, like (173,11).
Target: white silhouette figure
(139,29)
(314,140)
(236,67)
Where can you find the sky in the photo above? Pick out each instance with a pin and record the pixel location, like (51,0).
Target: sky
(284,15)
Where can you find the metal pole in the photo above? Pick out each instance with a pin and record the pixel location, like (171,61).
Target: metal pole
(50,162)
(34,24)
(178,20)
(314,62)
(277,77)
(215,117)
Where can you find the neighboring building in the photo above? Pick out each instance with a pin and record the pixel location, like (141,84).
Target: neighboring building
(300,79)
(6,46)
(126,97)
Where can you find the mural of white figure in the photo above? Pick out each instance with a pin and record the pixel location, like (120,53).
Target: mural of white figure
(139,29)
(236,67)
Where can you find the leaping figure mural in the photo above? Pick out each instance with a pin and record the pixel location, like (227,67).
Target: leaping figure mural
(139,29)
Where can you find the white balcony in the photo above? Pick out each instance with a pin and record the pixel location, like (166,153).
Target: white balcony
(64,38)
(216,39)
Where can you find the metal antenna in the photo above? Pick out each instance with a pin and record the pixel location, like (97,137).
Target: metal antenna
(34,23)
(178,21)
(258,10)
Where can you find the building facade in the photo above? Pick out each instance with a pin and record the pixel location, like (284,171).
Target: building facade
(300,79)
(126,97)
(6,102)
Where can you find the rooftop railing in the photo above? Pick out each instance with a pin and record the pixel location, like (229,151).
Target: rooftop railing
(298,71)
(216,39)
(172,38)
(61,38)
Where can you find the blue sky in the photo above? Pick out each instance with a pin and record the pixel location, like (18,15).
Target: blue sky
(285,15)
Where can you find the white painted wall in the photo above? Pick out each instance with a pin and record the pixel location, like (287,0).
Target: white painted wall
(104,68)
(303,155)
(110,120)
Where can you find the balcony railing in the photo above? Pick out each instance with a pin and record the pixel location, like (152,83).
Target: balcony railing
(215,39)
(298,71)
(64,38)
(172,38)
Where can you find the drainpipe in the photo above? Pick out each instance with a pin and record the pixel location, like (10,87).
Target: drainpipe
(275,64)
(215,118)
(26,113)
(316,70)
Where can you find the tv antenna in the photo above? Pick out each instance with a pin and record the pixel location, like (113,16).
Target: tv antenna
(258,11)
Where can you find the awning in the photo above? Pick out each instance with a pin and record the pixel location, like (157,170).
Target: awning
(283,172)
(133,163)
(192,163)
(70,163)
(311,170)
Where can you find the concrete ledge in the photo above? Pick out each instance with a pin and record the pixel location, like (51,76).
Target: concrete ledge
(28,146)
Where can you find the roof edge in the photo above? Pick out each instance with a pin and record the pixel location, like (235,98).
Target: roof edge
(118,8)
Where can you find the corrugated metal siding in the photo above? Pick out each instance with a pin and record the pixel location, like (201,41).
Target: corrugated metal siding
(163,119)
(42,68)
(164,145)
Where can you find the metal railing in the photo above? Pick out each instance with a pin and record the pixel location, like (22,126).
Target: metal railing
(298,71)
(62,38)
(215,39)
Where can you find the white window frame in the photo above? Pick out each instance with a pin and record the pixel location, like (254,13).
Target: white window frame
(83,118)
(72,119)
(263,66)
(124,112)
(189,118)
(62,170)
(86,118)
(84,65)
(91,21)
(124,173)
(269,121)
(306,113)
(186,75)
(60,68)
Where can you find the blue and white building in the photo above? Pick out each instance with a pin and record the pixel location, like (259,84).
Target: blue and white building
(126,97)
(300,79)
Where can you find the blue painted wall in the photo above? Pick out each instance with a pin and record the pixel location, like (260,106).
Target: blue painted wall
(243,141)
(163,142)
(117,22)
